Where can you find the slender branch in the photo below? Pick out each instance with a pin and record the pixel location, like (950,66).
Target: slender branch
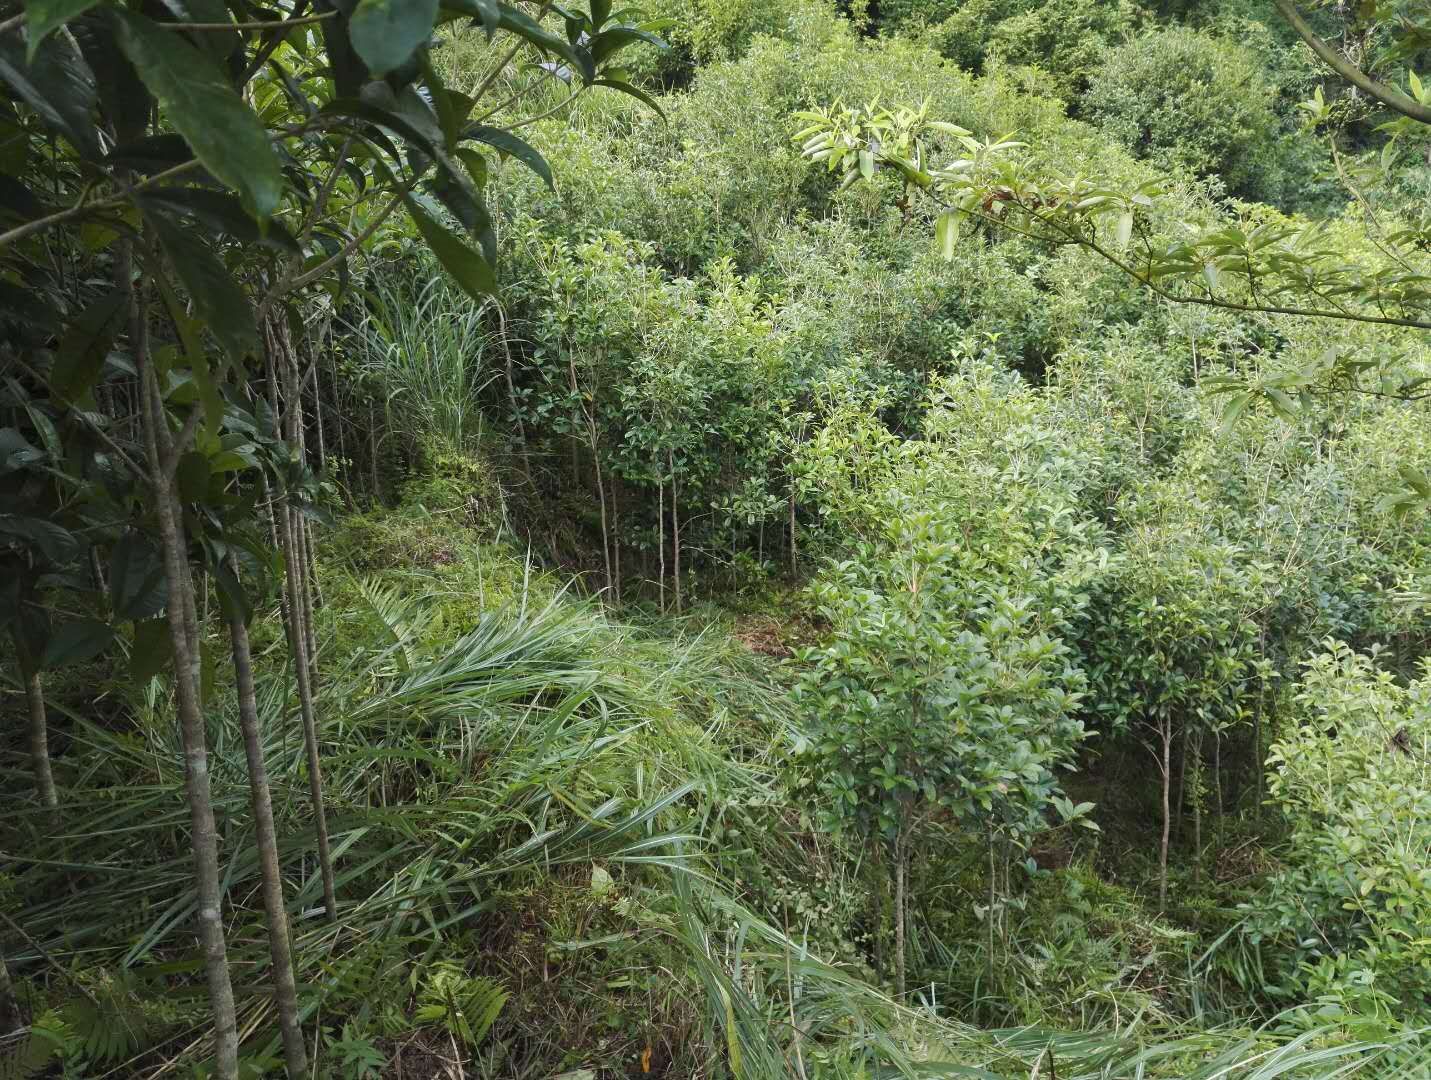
(45,954)
(19,232)
(84,417)
(1387,95)
(1203,301)
(31,227)
(274,24)
(170,463)
(284,287)
(549,112)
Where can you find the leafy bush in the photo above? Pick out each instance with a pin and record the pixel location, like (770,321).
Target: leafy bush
(1065,40)
(1349,910)
(1189,101)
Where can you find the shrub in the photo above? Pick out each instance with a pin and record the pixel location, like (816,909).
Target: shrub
(1188,101)
(1353,777)
(1064,39)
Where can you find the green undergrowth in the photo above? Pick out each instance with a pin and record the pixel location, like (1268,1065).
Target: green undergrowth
(567,844)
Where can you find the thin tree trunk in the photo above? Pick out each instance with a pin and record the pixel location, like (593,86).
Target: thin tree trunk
(183,634)
(512,396)
(285,991)
(793,564)
(881,902)
(318,414)
(661,537)
(1257,716)
(616,535)
(309,591)
(11,1018)
(601,499)
(373,450)
(1180,800)
(675,528)
(302,667)
(989,919)
(1217,783)
(1166,732)
(300,633)
(39,734)
(900,873)
(1197,807)
(340,416)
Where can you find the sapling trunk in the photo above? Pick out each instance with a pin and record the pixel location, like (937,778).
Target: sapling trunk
(512,401)
(11,1018)
(185,642)
(299,611)
(39,733)
(661,538)
(901,870)
(794,570)
(298,644)
(1180,799)
(989,920)
(285,991)
(1165,730)
(881,922)
(1197,807)
(675,529)
(616,536)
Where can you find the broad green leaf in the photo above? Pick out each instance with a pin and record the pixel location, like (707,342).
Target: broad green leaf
(385,33)
(1124,231)
(1232,412)
(16,451)
(232,597)
(218,211)
(59,86)
(137,586)
(80,356)
(223,132)
(152,649)
(523,25)
(611,41)
(192,476)
(468,268)
(485,10)
(512,146)
(44,16)
(56,543)
(75,642)
(219,45)
(220,303)
(1416,480)
(946,232)
(639,94)
(465,203)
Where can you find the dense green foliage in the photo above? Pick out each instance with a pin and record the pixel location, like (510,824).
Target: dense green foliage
(741,577)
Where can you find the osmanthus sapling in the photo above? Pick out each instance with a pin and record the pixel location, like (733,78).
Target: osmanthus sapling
(936,700)
(174,178)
